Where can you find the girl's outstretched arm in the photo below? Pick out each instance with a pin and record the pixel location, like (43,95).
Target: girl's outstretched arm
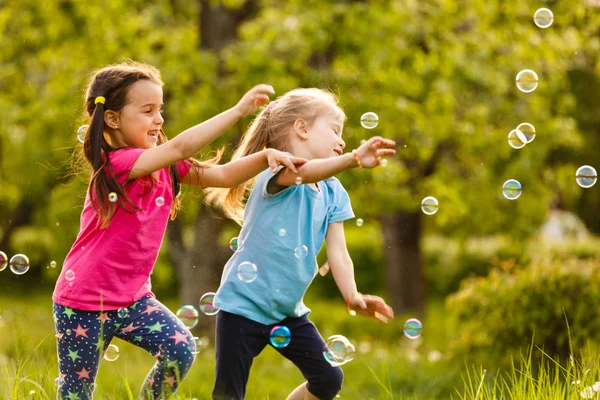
(236,172)
(368,155)
(342,270)
(192,140)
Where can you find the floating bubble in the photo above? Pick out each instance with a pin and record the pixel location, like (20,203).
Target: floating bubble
(112,197)
(198,345)
(282,232)
(298,180)
(586,176)
(413,328)
(301,251)
(3,261)
(52,264)
(19,264)
(359,222)
(207,304)
(122,312)
(280,336)
(527,81)
(160,201)
(233,244)
(527,130)
(384,162)
(511,189)
(70,275)
(369,120)
(247,272)
(58,382)
(68,332)
(516,139)
(188,315)
(111,353)
(429,205)
(543,18)
(338,350)
(81,133)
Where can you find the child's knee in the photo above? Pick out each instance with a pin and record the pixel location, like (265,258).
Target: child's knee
(327,384)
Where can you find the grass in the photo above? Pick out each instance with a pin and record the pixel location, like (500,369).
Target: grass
(387,365)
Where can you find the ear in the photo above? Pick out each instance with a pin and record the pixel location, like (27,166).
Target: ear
(111,119)
(300,128)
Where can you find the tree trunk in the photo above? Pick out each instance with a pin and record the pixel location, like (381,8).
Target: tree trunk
(199,267)
(403,264)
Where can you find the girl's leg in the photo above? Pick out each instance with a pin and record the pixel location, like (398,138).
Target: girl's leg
(306,352)
(81,339)
(238,341)
(153,327)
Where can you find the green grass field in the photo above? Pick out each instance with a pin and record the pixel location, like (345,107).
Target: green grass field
(387,365)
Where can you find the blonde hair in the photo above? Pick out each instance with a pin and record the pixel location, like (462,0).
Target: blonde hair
(270,129)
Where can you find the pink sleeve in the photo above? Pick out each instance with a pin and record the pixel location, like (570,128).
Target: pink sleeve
(183,167)
(122,161)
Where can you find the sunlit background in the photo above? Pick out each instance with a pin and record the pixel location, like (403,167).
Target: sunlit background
(482,232)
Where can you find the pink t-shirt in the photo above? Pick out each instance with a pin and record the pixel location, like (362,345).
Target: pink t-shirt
(107,269)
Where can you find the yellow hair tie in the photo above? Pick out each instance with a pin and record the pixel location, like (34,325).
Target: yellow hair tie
(100,99)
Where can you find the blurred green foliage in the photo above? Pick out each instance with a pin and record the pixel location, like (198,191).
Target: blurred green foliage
(550,303)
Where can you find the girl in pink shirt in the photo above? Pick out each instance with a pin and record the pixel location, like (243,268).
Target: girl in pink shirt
(104,288)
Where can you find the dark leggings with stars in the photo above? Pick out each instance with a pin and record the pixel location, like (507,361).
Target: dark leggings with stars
(83,337)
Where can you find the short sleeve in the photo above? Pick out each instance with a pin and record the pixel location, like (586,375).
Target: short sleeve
(122,161)
(184,167)
(265,177)
(340,209)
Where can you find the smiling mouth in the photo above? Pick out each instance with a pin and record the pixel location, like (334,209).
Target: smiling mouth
(338,152)
(153,134)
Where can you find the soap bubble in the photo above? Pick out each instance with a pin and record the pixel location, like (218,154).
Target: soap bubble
(516,139)
(511,189)
(3,260)
(188,315)
(19,264)
(369,120)
(586,176)
(413,328)
(429,205)
(280,336)
(527,81)
(111,353)
(207,304)
(543,18)
(81,132)
(247,272)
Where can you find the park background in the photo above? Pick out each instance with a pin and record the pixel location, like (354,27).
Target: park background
(508,301)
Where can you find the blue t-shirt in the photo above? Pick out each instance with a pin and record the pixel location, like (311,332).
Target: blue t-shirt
(282,234)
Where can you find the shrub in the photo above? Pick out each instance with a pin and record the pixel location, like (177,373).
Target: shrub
(500,315)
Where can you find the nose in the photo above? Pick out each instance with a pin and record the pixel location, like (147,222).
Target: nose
(342,143)
(159,120)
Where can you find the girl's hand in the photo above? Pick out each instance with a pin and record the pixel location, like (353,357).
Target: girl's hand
(275,158)
(253,99)
(371,306)
(369,153)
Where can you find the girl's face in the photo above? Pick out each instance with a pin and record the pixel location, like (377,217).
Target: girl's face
(140,121)
(324,137)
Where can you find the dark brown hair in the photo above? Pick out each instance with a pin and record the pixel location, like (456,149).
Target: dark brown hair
(114,83)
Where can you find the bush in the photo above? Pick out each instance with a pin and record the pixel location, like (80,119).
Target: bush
(448,261)
(497,316)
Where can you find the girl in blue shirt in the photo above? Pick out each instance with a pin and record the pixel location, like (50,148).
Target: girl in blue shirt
(287,217)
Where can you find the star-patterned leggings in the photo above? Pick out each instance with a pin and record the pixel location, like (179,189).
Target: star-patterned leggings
(83,337)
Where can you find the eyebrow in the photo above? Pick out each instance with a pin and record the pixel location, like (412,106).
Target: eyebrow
(153,104)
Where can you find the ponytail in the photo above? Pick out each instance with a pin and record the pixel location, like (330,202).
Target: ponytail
(256,138)
(103,181)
